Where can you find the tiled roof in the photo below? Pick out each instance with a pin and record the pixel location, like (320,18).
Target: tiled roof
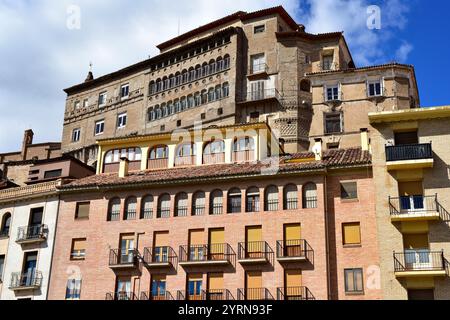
(332,158)
(381,66)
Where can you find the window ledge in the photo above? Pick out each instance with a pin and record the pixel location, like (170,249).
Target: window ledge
(349,200)
(355,293)
(350,246)
(82,219)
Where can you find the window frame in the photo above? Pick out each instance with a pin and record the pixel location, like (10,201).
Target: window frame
(351,224)
(375,82)
(82,255)
(100,123)
(78,204)
(342,183)
(336,96)
(121,123)
(354,272)
(341,122)
(102,97)
(76,135)
(258,31)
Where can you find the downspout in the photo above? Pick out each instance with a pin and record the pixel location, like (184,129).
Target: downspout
(327,242)
(53,246)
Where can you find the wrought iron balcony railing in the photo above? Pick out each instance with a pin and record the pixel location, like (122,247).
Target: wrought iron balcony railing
(160,256)
(217,295)
(409,152)
(31,279)
(254,294)
(413,204)
(121,295)
(294,249)
(32,233)
(420,260)
(207,253)
(294,293)
(258,250)
(258,68)
(262,94)
(123,258)
(130,215)
(156,296)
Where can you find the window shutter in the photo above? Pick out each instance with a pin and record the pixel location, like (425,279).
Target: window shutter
(83,210)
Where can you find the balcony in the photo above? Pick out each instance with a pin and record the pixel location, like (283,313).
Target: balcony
(244,156)
(123,259)
(26,281)
(206,295)
(255,294)
(185,161)
(420,263)
(155,164)
(121,296)
(417,208)
(160,258)
(32,234)
(207,255)
(156,296)
(409,156)
(259,95)
(258,71)
(215,158)
(294,293)
(258,252)
(294,251)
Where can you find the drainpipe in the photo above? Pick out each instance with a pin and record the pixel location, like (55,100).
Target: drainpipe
(53,246)
(138,279)
(327,242)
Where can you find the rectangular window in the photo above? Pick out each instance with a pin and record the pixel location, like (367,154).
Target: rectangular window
(258,63)
(73,289)
(102,99)
(354,281)
(76,105)
(52,174)
(82,211)
(99,127)
(122,120)
(2,263)
(85,103)
(327,62)
(76,133)
(374,88)
(351,233)
(349,191)
(194,286)
(332,93)
(78,251)
(259,29)
(125,91)
(333,123)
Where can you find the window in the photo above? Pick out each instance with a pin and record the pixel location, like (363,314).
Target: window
(147,207)
(290,197)
(114,156)
(77,105)
(76,133)
(332,93)
(194,286)
(181,205)
(73,289)
(374,88)
(252,200)
(234,200)
(52,174)
(225,90)
(254,117)
(214,147)
(163,206)
(258,63)
(333,123)
(6,224)
(78,251)
(2,263)
(82,211)
(85,103)
(102,99)
(99,127)
(271,199)
(122,120)
(259,29)
(198,204)
(354,281)
(216,202)
(309,196)
(114,209)
(349,191)
(125,91)
(130,209)
(351,233)
(159,152)
(327,62)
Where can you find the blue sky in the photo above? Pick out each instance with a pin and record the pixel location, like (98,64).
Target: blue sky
(40,56)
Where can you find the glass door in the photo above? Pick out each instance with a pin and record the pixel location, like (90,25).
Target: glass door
(127,249)
(29,269)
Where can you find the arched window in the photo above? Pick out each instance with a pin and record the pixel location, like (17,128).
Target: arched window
(204,96)
(158,113)
(114,209)
(130,208)
(177,106)
(172,81)
(212,66)
(305,85)
(218,93)
(309,196)
(205,69)
(211,96)
(198,203)
(164,111)
(234,200)
(181,205)
(165,83)
(178,79)
(290,193)
(158,85)
(185,76)
(185,154)
(198,71)
(226,62)
(197,99)
(243,149)
(271,198)
(214,152)
(147,207)
(152,87)
(220,64)
(163,206)
(252,200)
(225,90)
(150,114)
(216,202)
(170,107)
(159,152)
(112,159)
(6,225)
(190,101)
(183,104)
(191,74)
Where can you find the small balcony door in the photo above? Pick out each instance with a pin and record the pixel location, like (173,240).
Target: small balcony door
(293,285)
(417,252)
(411,197)
(215,287)
(29,269)
(257,90)
(123,291)
(253,285)
(127,248)
(404,138)
(35,223)
(216,244)
(196,245)
(253,242)
(158,287)
(292,242)
(160,247)
(194,286)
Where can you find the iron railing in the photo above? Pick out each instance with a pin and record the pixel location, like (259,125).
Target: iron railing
(198,210)
(37,232)
(183,295)
(217,295)
(254,250)
(419,260)
(121,296)
(114,215)
(409,152)
(130,215)
(216,209)
(31,278)
(291,204)
(309,202)
(254,294)
(234,206)
(147,214)
(157,255)
(294,293)
(258,68)
(163,213)
(413,204)
(262,94)
(271,205)
(156,296)
(294,249)
(181,211)
(118,257)
(252,204)
(207,252)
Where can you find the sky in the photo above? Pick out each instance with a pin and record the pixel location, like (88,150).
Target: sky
(44,48)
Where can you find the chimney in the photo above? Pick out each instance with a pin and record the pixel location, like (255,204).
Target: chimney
(123,167)
(365,139)
(317,149)
(27,140)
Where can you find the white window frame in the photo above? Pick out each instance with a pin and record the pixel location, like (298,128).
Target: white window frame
(258,62)
(122,87)
(85,103)
(338,86)
(77,105)
(105,95)
(97,124)
(120,122)
(259,26)
(324,55)
(76,133)
(373,82)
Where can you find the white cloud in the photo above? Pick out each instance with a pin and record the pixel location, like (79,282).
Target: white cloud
(403,52)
